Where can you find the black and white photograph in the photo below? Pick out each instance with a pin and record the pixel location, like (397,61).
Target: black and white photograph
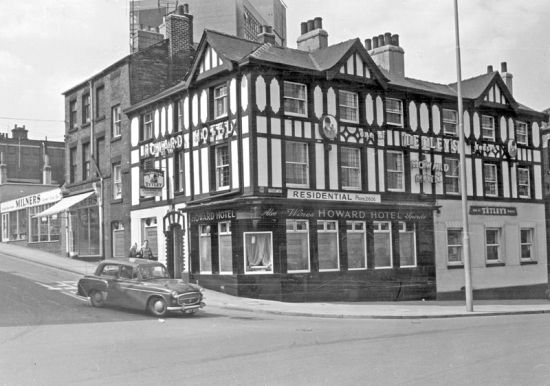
(274,192)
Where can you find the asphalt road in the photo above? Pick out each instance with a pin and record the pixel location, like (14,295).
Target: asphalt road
(50,337)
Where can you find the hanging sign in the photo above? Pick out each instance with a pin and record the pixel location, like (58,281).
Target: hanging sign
(153,182)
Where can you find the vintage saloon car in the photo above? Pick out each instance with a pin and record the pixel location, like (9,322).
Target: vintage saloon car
(140,284)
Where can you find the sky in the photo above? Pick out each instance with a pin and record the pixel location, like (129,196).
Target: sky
(48,46)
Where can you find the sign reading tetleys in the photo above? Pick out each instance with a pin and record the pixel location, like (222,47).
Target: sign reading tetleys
(493,210)
(153,182)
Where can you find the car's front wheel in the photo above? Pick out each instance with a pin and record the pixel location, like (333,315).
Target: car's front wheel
(97,299)
(157,306)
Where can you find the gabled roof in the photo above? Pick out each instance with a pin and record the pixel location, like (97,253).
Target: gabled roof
(477,87)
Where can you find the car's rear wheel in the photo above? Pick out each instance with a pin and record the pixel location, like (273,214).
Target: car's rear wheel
(157,306)
(97,299)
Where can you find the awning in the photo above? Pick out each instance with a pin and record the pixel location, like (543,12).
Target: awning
(64,204)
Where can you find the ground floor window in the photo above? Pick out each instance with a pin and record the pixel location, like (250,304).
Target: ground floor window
(407,244)
(205,249)
(297,245)
(225,249)
(356,242)
(382,244)
(454,246)
(119,246)
(492,244)
(5,228)
(327,245)
(14,225)
(258,252)
(85,228)
(527,243)
(44,228)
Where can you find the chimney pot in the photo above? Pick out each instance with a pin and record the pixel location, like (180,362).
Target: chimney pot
(303,27)
(381,41)
(186,9)
(395,40)
(310,25)
(387,38)
(368,44)
(318,23)
(180,10)
(375,42)
(503,67)
(489,68)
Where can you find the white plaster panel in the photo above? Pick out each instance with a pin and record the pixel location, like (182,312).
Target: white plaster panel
(318,101)
(381,171)
(439,185)
(163,122)
(196,172)
(317,131)
(397,138)
(275,90)
(536,155)
(235,164)
(205,170)
(204,106)
(469,177)
(261,124)
(371,169)
(497,94)
(415,186)
(503,129)
(214,58)
(359,63)
(350,65)
(275,126)
(536,134)
(261,100)
(342,70)
(186,112)
(276,164)
(369,109)
(333,167)
(511,130)
(156,123)
(244,124)
(244,93)
(477,125)
(320,169)
(164,166)
(514,182)
(436,119)
(207,59)
(331,101)
(288,127)
(233,96)
(171,177)
(529,154)
(169,121)
(479,178)
(538,181)
(298,132)
(134,131)
(307,130)
(195,109)
(424,118)
(379,111)
(134,156)
(246,163)
(466,123)
(262,162)
(186,160)
(505,179)
(135,185)
(413,118)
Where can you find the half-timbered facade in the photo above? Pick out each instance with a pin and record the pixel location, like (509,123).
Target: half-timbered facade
(324,173)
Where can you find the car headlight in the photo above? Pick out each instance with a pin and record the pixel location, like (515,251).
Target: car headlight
(174,294)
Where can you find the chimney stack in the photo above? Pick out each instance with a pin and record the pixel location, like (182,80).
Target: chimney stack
(266,35)
(47,171)
(179,31)
(387,54)
(489,68)
(507,77)
(313,37)
(19,132)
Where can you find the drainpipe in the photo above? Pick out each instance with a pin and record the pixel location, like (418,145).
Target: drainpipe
(97,189)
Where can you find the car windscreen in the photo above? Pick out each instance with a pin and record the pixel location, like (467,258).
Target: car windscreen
(148,272)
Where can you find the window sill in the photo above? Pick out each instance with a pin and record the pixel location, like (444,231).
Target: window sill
(116,139)
(73,129)
(495,264)
(528,262)
(42,242)
(455,266)
(85,125)
(295,115)
(99,119)
(116,201)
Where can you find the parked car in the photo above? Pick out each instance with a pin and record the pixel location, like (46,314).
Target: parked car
(140,284)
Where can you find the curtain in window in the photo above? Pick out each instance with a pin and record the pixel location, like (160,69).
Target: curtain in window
(258,250)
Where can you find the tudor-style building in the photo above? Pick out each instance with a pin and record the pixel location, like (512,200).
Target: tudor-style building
(325,173)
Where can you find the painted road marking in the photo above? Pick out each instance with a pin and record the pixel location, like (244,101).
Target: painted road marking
(65,287)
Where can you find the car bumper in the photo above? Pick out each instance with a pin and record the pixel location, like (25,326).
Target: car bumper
(186,308)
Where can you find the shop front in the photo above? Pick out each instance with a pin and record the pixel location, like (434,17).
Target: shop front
(319,247)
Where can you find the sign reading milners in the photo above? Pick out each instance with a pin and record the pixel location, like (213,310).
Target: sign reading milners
(300,194)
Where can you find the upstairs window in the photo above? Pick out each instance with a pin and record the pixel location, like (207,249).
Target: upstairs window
(449,122)
(73,164)
(222,167)
(488,127)
(117,182)
(86,108)
(394,112)
(350,160)
(295,99)
(220,101)
(395,171)
(522,136)
(147,126)
(491,179)
(297,165)
(524,183)
(85,161)
(72,115)
(100,102)
(349,106)
(452,175)
(180,115)
(115,121)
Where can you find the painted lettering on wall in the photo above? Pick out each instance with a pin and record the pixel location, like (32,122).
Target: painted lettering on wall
(432,172)
(213,133)
(415,141)
(163,147)
(493,210)
(332,196)
(213,216)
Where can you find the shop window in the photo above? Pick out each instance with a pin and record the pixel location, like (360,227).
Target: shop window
(449,122)
(382,244)
(407,244)
(86,161)
(492,245)
(527,243)
(86,108)
(222,167)
(349,106)
(72,115)
(395,171)
(258,252)
(116,121)
(295,99)
(117,181)
(225,248)
(356,241)
(150,233)
(205,249)
(491,179)
(220,101)
(43,228)
(452,175)
(327,245)
(488,127)
(350,161)
(522,135)
(147,126)
(297,245)
(454,246)
(119,246)
(524,183)
(85,228)
(297,164)
(15,225)
(394,112)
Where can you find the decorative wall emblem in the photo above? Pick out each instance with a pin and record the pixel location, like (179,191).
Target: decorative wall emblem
(329,127)
(512,148)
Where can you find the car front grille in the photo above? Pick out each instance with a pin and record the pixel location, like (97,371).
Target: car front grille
(187,299)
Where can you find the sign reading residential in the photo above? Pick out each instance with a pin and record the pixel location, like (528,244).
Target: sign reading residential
(332,196)
(493,211)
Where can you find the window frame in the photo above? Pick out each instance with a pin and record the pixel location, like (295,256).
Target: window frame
(225,234)
(117,182)
(531,244)
(223,168)
(447,122)
(73,164)
(357,168)
(460,246)
(484,128)
(325,225)
(526,169)
(400,112)
(526,141)
(148,129)
(498,245)
(447,176)
(179,160)
(402,171)
(116,121)
(376,228)
(86,113)
(355,109)
(221,98)
(73,114)
(363,232)
(403,229)
(205,232)
(294,222)
(100,102)
(485,181)
(269,268)
(295,98)
(305,146)
(86,161)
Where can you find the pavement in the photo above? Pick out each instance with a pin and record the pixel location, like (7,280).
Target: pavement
(360,310)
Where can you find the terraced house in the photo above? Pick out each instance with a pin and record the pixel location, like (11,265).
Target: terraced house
(323,172)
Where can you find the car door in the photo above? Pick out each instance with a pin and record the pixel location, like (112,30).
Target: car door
(126,284)
(110,274)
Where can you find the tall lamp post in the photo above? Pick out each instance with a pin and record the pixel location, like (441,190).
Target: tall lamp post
(464,195)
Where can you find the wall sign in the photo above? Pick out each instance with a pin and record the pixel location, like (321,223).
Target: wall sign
(332,196)
(153,182)
(432,172)
(416,141)
(346,214)
(214,133)
(329,127)
(493,210)
(219,215)
(163,147)
(42,198)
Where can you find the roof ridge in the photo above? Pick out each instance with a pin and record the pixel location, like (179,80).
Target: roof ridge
(260,49)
